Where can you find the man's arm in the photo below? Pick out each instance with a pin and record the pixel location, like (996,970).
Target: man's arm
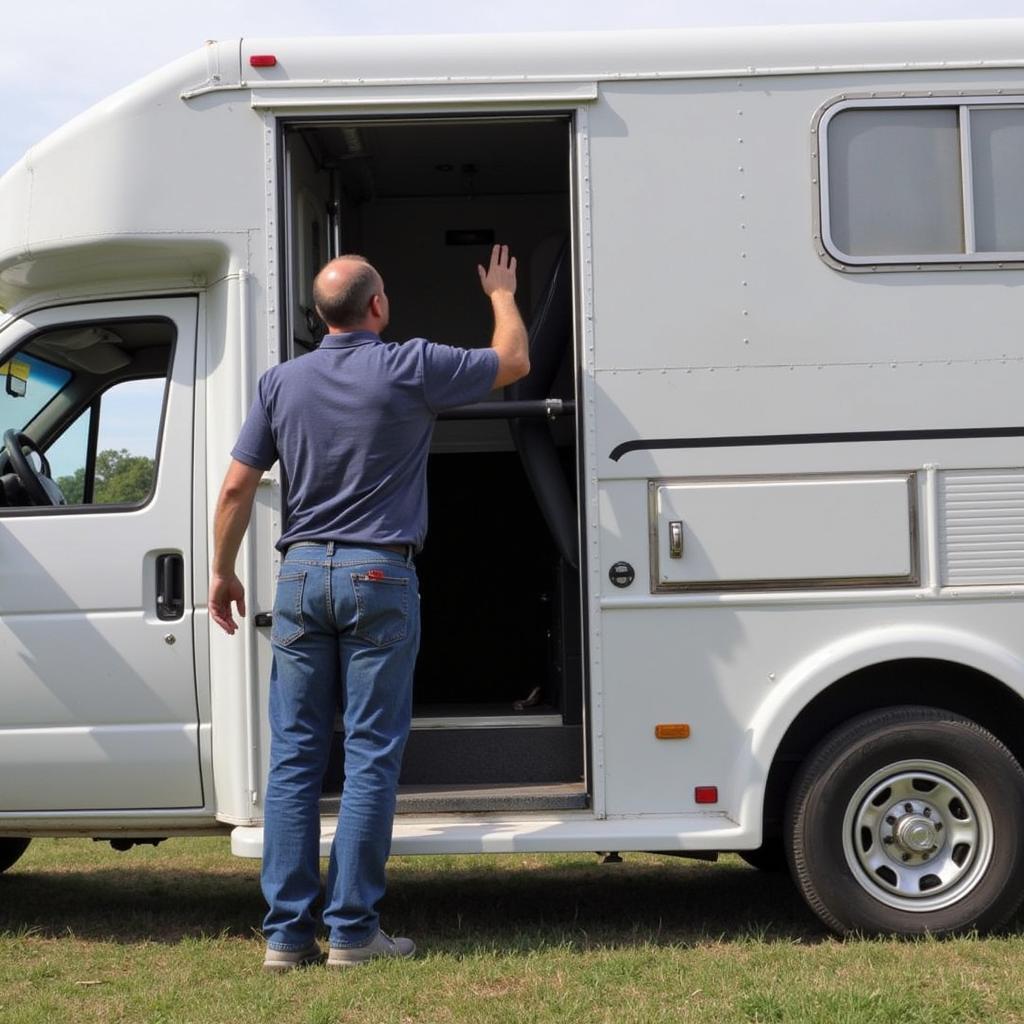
(234,506)
(509,339)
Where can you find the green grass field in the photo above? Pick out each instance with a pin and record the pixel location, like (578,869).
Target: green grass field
(170,934)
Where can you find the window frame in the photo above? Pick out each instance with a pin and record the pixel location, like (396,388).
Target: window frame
(963,102)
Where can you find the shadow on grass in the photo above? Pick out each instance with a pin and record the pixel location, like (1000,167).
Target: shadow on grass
(500,905)
(666,901)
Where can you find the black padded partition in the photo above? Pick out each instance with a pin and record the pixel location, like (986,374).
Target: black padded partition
(550,335)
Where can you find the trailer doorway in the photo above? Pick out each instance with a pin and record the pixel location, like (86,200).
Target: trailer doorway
(498,693)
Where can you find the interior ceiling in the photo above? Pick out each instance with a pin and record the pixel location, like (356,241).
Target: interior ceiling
(445,158)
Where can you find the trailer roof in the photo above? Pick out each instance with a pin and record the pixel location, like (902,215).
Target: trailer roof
(561,56)
(133,173)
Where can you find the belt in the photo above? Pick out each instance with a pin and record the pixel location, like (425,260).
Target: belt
(399,549)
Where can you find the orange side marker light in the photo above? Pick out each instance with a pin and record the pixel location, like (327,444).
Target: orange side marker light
(672,731)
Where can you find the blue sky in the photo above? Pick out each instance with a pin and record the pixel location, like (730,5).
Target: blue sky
(58,58)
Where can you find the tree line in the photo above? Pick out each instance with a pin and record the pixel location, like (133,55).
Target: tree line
(120,479)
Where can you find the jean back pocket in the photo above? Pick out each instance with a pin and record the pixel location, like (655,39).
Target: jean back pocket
(382,608)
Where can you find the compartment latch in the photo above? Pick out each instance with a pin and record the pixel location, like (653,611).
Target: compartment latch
(675,539)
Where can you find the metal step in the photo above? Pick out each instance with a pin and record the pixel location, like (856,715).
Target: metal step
(484,716)
(563,796)
(479,716)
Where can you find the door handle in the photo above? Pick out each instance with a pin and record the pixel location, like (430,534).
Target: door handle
(675,539)
(170,587)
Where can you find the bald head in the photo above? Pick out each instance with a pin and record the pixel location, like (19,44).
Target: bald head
(343,291)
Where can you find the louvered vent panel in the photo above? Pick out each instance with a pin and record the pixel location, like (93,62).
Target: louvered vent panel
(982,524)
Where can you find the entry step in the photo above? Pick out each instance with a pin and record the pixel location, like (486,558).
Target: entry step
(560,796)
(484,716)
(494,757)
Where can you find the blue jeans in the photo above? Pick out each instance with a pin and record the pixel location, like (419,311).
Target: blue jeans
(345,635)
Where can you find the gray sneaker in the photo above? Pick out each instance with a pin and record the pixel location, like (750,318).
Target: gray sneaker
(289,959)
(380,945)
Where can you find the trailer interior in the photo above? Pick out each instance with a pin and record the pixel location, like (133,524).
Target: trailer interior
(499,685)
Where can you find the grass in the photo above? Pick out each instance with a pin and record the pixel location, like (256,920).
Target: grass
(169,934)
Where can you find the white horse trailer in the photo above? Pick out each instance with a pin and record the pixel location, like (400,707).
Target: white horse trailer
(738,567)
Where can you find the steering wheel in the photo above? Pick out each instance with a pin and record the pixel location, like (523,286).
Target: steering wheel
(38,486)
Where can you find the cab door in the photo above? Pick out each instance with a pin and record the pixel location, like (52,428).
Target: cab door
(98,706)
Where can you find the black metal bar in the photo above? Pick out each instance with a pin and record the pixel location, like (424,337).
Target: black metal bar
(542,408)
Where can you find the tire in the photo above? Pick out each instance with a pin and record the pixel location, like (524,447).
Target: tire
(10,850)
(770,856)
(909,821)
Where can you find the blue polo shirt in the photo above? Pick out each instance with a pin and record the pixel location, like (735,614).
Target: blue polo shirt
(351,424)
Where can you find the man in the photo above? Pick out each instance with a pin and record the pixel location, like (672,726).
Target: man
(351,424)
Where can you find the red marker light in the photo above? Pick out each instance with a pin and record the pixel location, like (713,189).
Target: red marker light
(263,60)
(706,794)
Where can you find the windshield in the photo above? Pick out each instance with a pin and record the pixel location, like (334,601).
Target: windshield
(43,381)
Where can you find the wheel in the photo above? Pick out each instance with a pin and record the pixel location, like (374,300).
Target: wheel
(909,820)
(10,850)
(770,856)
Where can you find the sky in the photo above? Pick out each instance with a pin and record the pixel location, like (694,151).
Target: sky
(58,57)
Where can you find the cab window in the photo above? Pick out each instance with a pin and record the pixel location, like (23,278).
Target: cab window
(89,416)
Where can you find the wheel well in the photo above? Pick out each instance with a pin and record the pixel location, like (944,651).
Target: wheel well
(925,681)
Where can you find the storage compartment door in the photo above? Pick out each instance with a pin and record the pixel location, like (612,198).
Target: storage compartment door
(782,533)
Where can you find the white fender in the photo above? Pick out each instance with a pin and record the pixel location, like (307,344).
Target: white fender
(832,662)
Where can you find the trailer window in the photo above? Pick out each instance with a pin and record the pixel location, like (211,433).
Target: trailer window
(997,168)
(894,185)
(924,184)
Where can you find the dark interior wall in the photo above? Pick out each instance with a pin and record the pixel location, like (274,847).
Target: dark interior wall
(433,286)
(402,187)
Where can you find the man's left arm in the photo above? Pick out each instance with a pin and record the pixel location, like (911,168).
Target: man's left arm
(234,506)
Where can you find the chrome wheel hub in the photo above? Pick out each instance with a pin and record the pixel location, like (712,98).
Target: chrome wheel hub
(916,835)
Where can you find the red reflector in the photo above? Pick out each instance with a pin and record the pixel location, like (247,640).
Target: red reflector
(263,60)
(706,794)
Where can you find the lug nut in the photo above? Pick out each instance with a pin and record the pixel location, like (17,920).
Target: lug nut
(890,820)
(938,825)
(906,856)
(888,840)
(908,807)
(927,812)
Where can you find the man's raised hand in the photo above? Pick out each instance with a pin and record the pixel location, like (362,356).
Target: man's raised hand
(500,276)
